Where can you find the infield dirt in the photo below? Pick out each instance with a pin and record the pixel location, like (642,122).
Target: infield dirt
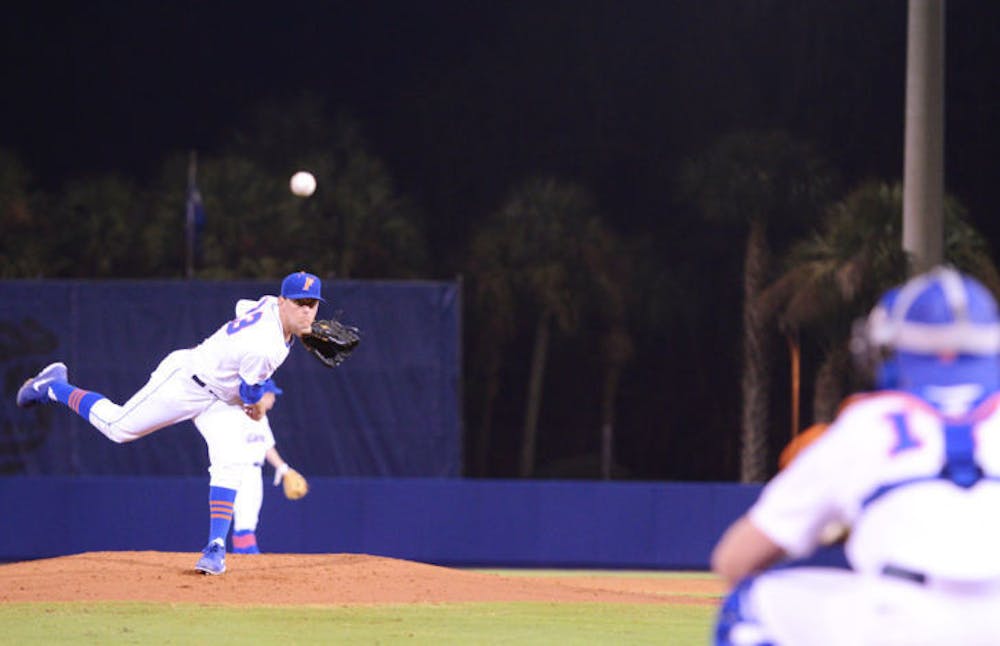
(321,579)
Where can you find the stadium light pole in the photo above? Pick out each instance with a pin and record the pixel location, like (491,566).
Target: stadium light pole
(923,154)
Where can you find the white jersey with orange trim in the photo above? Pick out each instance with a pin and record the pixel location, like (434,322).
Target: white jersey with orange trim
(921,492)
(879,470)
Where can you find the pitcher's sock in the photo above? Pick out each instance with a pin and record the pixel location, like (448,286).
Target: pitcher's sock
(79,400)
(220,506)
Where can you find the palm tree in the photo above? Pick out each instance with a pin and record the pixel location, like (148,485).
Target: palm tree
(533,253)
(834,276)
(757,181)
(493,316)
(610,264)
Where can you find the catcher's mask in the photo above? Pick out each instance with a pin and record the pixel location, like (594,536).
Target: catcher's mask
(941,314)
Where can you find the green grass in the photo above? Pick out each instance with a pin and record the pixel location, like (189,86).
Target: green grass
(469,623)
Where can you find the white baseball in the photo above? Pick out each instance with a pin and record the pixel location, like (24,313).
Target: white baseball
(303,183)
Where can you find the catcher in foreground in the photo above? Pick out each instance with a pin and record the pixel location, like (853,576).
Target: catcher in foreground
(331,341)
(912,467)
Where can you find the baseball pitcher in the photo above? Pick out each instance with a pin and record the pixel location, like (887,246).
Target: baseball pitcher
(216,384)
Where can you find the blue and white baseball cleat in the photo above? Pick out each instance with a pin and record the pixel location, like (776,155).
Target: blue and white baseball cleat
(213,559)
(36,389)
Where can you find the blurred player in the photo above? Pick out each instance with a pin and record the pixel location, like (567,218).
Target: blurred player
(260,447)
(215,384)
(913,471)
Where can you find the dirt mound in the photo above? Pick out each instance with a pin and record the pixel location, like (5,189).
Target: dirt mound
(323,579)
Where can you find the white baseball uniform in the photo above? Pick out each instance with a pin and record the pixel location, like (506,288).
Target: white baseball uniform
(257,439)
(203,384)
(921,491)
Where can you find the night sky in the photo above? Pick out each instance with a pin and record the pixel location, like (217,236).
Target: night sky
(463,99)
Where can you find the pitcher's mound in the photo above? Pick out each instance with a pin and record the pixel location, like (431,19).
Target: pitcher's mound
(325,579)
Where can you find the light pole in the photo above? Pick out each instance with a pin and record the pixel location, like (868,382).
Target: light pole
(923,155)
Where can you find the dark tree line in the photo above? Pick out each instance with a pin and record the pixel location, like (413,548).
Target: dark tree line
(589,351)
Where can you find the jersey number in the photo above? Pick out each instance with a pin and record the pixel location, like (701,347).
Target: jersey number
(244,321)
(904,437)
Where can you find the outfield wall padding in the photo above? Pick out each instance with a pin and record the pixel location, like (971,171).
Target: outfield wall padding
(447,521)
(391,410)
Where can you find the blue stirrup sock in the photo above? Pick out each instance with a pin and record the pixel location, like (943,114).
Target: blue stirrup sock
(78,400)
(220,507)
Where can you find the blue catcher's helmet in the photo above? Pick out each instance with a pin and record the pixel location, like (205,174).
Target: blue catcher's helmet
(940,312)
(940,327)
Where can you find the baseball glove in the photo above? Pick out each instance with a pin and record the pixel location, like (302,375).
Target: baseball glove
(293,482)
(331,341)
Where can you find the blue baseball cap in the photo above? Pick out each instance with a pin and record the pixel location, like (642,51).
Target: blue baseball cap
(302,285)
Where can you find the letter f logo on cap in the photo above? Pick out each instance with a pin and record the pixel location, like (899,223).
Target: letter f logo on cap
(302,285)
